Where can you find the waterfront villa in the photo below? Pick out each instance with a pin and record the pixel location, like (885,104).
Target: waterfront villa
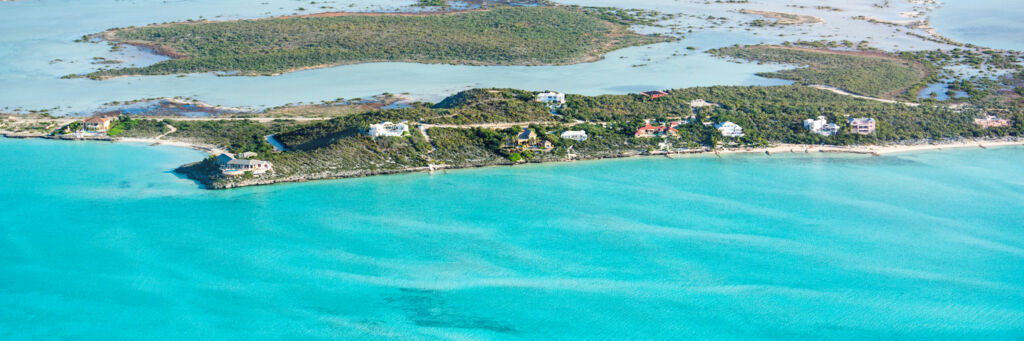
(729,129)
(862,125)
(97,124)
(655,94)
(656,131)
(554,98)
(992,121)
(388,129)
(240,166)
(578,135)
(232,166)
(821,126)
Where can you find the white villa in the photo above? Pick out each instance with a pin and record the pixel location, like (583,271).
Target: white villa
(729,129)
(551,98)
(232,166)
(821,126)
(578,135)
(388,129)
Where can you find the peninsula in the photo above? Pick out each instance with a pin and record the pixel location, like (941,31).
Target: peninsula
(504,35)
(486,127)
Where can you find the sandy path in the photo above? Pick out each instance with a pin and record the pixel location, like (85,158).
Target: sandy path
(847,93)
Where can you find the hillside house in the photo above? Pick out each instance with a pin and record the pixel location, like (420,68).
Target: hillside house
(97,124)
(578,135)
(862,125)
(656,131)
(526,137)
(388,129)
(654,94)
(729,129)
(551,98)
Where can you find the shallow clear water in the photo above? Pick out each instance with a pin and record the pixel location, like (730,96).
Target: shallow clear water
(34,34)
(988,23)
(100,241)
(940,90)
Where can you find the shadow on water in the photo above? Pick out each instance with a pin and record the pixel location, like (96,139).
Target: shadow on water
(427,308)
(185,177)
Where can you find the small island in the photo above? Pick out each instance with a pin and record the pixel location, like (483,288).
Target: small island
(503,35)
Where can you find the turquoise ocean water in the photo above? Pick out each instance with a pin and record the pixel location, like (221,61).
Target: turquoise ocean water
(101,241)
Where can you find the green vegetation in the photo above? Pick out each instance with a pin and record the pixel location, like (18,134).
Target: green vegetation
(236,135)
(865,73)
(126,126)
(497,36)
(338,147)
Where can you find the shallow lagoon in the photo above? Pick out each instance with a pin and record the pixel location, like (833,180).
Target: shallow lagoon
(989,23)
(921,246)
(35,34)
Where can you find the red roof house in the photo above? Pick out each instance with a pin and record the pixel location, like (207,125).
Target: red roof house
(655,94)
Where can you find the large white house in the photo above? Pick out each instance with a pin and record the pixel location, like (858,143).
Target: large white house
(821,126)
(551,98)
(578,135)
(729,129)
(388,129)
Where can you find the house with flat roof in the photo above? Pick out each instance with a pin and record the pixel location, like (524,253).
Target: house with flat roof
(388,129)
(821,126)
(97,124)
(862,125)
(555,98)
(578,135)
(729,129)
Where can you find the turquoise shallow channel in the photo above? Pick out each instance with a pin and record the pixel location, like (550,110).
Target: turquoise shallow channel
(101,241)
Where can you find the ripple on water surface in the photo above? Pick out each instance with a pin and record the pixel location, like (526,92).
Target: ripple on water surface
(922,245)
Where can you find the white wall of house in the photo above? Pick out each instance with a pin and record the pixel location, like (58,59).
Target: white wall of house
(578,135)
(388,129)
